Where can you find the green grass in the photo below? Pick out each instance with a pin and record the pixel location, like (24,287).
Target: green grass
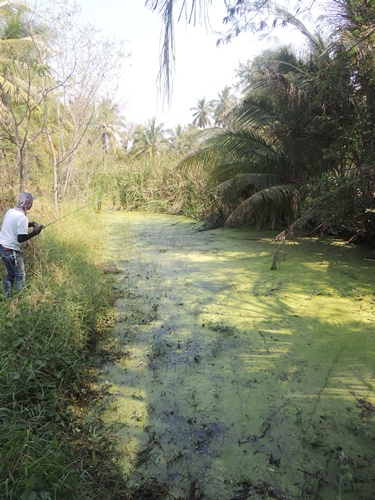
(52,442)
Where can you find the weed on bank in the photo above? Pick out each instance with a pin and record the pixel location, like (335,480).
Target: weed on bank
(52,442)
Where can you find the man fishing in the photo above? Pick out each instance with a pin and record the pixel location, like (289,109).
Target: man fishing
(14,231)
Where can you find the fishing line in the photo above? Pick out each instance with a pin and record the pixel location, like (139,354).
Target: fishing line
(71,213)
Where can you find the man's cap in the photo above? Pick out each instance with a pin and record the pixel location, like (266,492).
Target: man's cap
(25,196)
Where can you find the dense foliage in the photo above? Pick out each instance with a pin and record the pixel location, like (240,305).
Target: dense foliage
(299,143)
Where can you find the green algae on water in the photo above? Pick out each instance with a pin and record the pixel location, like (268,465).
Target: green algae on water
(240,381)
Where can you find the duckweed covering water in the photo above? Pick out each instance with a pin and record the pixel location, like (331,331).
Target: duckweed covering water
(235,381)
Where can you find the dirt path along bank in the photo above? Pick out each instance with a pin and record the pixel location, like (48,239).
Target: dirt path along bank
(236,381)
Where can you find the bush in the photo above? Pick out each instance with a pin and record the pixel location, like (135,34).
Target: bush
(343,204)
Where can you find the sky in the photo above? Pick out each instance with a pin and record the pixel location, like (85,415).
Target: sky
(202,69)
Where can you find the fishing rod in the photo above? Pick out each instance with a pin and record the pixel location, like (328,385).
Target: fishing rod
(71,213)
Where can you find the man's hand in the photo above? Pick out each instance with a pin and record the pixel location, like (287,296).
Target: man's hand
(37,228)
(34,225)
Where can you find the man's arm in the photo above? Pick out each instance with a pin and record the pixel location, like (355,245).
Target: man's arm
(24,237)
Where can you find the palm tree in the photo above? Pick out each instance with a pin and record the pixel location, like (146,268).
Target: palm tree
(149,139)
(222,106)
(183,139)
(279,140)
(202,113)
(21,78)
(114,134)
(250,178)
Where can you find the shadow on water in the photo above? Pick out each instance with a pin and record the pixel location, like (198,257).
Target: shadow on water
(237,381)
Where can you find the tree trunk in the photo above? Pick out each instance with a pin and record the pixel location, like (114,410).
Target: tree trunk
(20,165)
(54,172)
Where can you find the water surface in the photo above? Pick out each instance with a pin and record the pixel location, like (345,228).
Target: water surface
(236,381)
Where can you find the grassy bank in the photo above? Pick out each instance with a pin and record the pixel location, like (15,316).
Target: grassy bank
(52,442)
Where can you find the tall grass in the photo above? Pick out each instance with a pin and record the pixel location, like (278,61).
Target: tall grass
(159,185)
(51,444)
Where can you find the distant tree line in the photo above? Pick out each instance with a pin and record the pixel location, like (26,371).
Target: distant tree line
(292,146)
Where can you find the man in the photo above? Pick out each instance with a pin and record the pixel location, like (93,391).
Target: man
(15,230)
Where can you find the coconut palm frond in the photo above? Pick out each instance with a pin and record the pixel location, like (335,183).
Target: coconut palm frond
(195,12)
(256,165)
(286,87)
(291,19)
(227,153)
(23,47)
(13,5)
(273,202)
(252,113)
(351,42)
(241,186)
(12,90)
(206,157)
(243,143)
(18,91)
(17,45)
(243,181)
